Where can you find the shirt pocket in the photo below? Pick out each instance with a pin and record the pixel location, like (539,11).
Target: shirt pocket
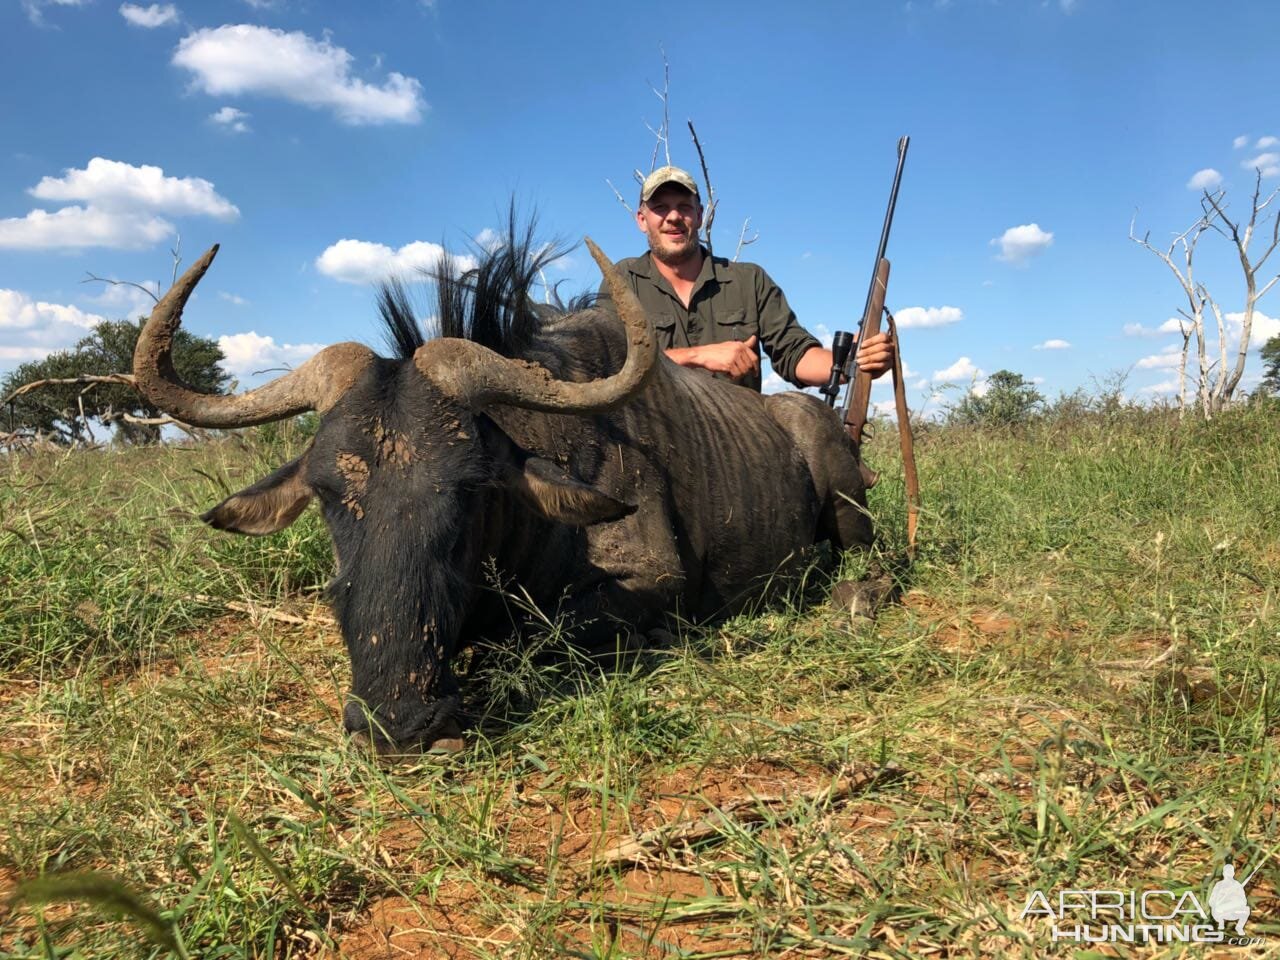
(664,326)
(733,325)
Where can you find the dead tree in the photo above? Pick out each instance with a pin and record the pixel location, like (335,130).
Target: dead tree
(1227,382)
(662,145)
(1216,379)
(1192,323)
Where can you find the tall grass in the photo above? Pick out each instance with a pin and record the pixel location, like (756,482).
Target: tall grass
(1079,688)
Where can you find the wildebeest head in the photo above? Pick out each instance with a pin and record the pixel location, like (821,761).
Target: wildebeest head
(402,463)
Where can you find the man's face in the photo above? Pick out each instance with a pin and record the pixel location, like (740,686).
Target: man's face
(671,219)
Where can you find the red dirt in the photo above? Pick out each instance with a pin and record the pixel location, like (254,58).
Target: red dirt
(443,927)
(453,924)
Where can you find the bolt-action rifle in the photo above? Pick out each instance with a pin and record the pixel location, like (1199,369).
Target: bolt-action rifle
(844,366)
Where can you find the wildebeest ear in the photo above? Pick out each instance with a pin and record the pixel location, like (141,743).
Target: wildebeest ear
(545,488)
(269,505)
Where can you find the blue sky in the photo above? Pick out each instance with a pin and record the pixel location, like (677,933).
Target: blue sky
(323,144)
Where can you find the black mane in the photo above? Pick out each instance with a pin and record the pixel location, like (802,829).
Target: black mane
(489,304)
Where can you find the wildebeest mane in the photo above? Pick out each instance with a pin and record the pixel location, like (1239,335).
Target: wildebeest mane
(489,303)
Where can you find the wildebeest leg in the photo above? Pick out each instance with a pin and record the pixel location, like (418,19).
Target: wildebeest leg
(636,576)
(833,463)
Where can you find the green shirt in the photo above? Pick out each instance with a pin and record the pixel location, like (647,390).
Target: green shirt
(730,301)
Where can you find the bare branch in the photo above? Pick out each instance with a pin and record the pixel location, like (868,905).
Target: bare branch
(711,193)
(176,252)
(1220,386)
(621,200)
(1214,201)
(1187,240)
(743,239)
(94,278)
(662,136)
(1275,239)
(165,421)
(121,379)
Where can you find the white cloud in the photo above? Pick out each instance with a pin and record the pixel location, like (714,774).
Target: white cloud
(9,354)
(20,312)
(232,298)
(885,383)
(1266,143)
(121,209)
(239,59)
(962,371)
(156,15)
(1240,142)
(229,118)
(919,317)
(774,383)
(1172,325)
(32,329)
(1268,163)
(359,261)
(1170,358)
(1262,330)
(1205,179)
(76,227)
(1019,244)
(1052,345)
(1166,387)
(489,239)
(35,8)
(248,354)
(112,185)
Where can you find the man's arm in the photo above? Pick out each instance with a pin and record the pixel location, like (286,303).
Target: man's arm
(876,357)
(795,353)
(737,358)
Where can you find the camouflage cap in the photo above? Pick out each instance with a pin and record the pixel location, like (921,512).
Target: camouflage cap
(665,175)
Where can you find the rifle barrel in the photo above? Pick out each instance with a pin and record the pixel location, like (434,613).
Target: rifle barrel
(903,143)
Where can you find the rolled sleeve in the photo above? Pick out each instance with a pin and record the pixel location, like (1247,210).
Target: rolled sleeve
(784,340)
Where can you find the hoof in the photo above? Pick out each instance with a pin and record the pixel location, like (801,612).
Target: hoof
(448,740)
(863,599)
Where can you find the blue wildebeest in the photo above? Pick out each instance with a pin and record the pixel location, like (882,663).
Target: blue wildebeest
(560,447)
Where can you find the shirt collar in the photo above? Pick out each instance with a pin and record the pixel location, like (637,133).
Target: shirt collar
(643,267)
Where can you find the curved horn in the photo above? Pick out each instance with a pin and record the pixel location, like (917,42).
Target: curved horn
(477,377)
(316,385)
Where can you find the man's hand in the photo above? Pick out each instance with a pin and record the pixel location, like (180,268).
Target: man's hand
(737,358)
(876,355)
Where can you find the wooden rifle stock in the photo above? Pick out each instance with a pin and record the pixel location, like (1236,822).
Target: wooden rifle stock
(858,398)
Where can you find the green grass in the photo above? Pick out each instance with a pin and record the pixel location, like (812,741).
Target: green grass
(1079,690)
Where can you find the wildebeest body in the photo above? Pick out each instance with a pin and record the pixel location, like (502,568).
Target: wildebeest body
(686,497)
